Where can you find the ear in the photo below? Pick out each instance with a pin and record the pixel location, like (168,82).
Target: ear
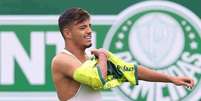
(67,33)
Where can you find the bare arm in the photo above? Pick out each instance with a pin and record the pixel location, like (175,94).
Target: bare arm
(151,75)
(154,76)
(102,60)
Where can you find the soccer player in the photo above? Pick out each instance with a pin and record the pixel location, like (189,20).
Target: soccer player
(74,73)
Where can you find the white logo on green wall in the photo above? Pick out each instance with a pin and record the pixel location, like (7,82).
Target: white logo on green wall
(163,36)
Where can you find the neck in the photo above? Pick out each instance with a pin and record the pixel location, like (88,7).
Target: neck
(76,51)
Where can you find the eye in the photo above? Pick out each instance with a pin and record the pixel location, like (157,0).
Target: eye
(82,27)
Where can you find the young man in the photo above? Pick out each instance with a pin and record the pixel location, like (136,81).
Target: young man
(76,30)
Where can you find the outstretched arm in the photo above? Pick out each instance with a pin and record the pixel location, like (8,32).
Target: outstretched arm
(147,74)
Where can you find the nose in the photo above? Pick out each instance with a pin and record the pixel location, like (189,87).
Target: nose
(89,30)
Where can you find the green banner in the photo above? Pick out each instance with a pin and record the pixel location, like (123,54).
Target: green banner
(161,35)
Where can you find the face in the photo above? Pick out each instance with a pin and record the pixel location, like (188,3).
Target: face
(80,34)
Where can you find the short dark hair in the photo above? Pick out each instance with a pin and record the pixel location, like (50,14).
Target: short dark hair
(70,16)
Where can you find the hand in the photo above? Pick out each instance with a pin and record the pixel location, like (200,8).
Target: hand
(183,81)
(98,52)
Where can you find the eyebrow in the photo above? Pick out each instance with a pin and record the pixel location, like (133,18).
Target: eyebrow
(84,25)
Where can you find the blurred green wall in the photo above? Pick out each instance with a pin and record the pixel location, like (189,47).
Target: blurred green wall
(12,7)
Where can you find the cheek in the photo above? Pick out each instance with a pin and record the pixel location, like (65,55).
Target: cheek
(78,37)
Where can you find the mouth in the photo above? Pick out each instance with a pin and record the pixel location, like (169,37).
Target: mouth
(88,37)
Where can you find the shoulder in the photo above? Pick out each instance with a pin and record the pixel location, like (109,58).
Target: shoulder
(60,59)
(63,59)
(64,63)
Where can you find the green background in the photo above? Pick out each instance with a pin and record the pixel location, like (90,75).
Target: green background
(55,7)
(12,7)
